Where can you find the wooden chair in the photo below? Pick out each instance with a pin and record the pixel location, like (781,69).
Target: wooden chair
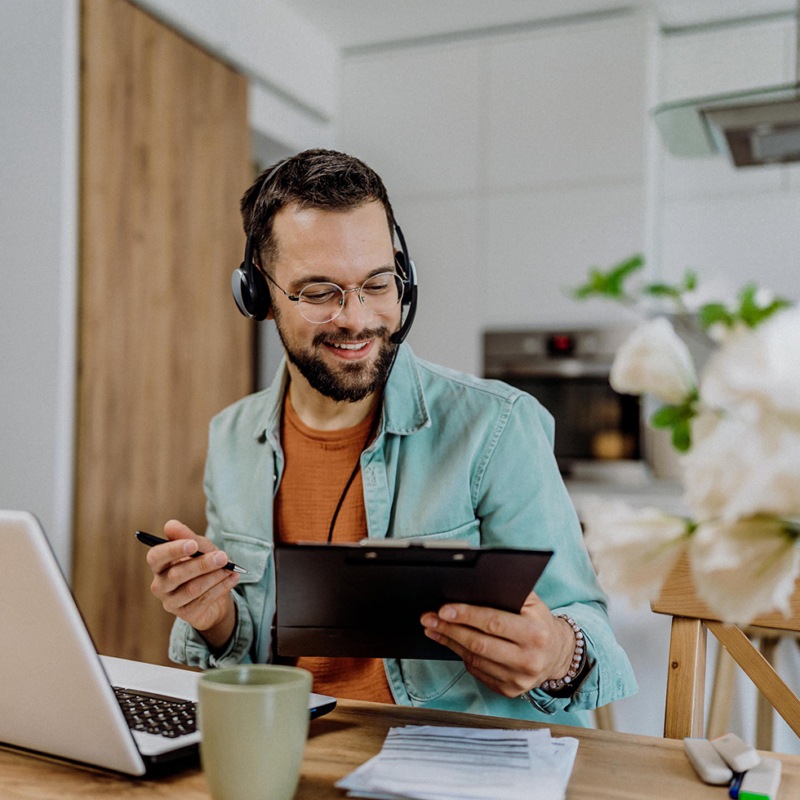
(687,656)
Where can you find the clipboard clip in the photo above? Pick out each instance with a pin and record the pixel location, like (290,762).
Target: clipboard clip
(415,551)
(418,541)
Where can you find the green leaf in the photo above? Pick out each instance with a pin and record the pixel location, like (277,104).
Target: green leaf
(667,416)
(712,313)
(609,284)
(751,313)
(681,436)
(690,281)
(662,290)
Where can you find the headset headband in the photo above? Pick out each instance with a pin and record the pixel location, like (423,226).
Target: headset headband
(251,292)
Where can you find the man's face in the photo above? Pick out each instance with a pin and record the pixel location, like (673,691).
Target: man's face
(347,358)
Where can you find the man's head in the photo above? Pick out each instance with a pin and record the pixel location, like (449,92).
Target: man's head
(326,217)
(322,179)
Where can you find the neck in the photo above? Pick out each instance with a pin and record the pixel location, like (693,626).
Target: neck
(322,413)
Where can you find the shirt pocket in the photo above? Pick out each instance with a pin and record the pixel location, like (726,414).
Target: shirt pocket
(249,553)
(469,532)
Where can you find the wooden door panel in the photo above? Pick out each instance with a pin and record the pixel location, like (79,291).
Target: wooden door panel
(164,161)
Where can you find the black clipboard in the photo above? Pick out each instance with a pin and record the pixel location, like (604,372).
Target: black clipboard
(365,600)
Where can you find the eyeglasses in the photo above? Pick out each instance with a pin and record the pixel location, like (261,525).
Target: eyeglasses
(323,302)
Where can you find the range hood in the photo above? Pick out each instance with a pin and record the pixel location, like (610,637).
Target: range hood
(755,127)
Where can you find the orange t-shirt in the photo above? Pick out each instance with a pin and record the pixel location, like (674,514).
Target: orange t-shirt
(317,465)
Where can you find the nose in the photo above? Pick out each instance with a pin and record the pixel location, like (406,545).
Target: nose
(353,314)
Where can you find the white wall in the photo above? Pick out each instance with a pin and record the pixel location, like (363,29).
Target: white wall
(731,225)
(513,163)
(38,229)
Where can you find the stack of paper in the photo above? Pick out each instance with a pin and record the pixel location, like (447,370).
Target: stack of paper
(424,762)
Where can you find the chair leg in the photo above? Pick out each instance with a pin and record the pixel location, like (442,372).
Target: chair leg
(604,718)
(760,671)
(719,714)
(686,679)
(764,710)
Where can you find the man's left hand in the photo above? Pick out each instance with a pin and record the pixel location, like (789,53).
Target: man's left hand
(510,653)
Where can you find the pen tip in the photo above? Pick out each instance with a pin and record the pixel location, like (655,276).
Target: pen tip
(241,571)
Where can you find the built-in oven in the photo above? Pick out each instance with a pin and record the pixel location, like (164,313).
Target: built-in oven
(567,371)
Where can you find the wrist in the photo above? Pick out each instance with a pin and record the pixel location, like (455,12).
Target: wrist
(566,650)
(573,658)
(218,635)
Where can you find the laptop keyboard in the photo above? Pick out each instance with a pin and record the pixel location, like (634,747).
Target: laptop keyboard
(156,713)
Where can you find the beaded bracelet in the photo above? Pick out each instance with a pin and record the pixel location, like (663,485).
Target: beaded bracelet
(577,657)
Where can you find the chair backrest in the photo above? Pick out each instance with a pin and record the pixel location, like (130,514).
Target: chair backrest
(687,655)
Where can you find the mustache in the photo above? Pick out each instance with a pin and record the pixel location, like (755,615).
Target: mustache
(343,337)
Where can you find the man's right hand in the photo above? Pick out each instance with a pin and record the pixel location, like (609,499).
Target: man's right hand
(196,590)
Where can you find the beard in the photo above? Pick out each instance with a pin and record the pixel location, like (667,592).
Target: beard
(351,382)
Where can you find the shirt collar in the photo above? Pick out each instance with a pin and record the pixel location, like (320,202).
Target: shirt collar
(404,408)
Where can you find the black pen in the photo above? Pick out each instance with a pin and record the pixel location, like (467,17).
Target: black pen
(152,541)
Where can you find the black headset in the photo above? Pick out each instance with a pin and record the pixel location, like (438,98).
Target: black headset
(252,295)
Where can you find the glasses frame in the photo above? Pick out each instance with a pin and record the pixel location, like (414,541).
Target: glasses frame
(359,289)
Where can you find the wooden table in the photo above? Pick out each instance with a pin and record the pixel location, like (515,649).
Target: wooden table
(616,766)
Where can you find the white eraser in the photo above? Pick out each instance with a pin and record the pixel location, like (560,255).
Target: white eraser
(738,755)
(762,781)
(706,761)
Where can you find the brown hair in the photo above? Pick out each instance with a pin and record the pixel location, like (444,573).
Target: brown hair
(318,178)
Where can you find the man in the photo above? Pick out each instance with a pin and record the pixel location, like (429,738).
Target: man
(336,450)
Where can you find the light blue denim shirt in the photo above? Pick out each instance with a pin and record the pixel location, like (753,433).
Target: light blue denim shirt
(455,457)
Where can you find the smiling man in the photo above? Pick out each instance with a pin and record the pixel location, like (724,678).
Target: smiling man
(357,437)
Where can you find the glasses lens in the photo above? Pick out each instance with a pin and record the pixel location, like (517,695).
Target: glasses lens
(320,302)
(381,293)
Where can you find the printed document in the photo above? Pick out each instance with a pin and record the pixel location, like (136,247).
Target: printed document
(424,762)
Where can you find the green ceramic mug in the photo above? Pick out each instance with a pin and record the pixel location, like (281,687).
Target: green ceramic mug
(254,722)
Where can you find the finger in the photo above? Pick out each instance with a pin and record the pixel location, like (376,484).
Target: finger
(175,529)
(500,624)
(190,591)
(498,674)
(183,572)
(478,645)
(200,606)
(161,557)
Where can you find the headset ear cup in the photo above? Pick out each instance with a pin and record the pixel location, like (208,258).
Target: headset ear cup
(259,295)
(252,297)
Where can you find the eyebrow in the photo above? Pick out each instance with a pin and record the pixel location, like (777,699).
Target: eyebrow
(296,285)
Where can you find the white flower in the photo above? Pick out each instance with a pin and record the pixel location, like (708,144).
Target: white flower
(654,360)
(759,366)
(633,550)
(745,568)
(742,463)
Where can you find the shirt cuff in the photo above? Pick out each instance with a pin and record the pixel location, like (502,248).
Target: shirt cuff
(187,646)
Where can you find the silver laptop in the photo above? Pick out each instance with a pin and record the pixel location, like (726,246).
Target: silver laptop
(58,696)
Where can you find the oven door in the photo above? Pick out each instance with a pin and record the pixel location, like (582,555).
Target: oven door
(593,422)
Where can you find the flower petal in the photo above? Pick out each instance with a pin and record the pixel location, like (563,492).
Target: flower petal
(746,568)
(654,360)
(632,549)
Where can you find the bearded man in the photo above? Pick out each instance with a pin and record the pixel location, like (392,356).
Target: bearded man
(358,438)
